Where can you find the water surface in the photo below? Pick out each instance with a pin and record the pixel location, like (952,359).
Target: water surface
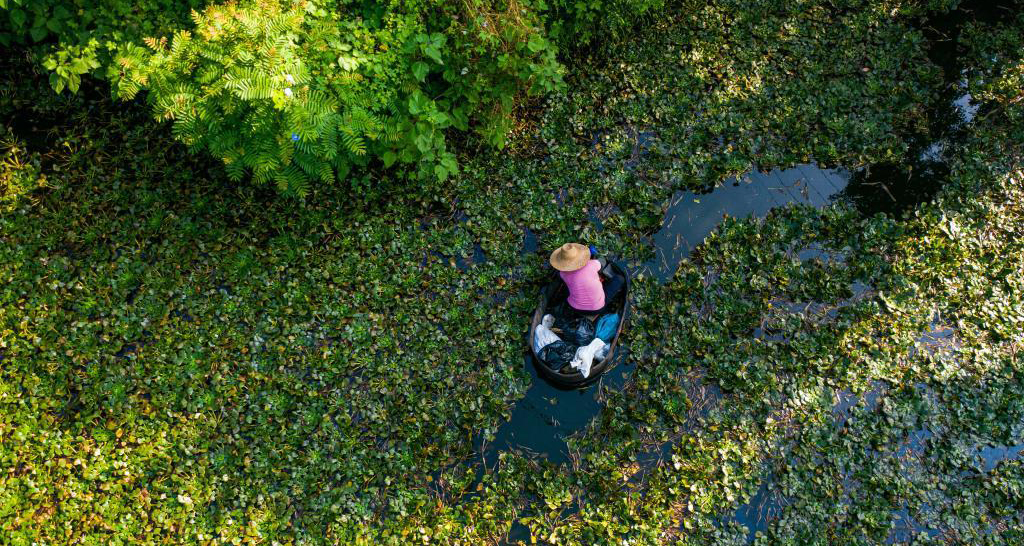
(546,415)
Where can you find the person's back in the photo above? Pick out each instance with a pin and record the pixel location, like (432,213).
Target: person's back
(586,291)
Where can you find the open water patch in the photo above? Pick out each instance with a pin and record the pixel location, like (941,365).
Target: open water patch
(547,414)
(991,456)
(763,508)
(690,217)
(464,263)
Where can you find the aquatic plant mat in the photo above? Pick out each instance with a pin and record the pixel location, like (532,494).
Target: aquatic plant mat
(184,359)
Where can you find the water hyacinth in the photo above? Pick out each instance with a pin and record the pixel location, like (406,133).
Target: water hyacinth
(187,359)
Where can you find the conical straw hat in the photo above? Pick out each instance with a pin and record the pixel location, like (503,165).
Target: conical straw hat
(570,257)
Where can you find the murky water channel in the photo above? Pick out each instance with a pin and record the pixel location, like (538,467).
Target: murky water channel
(692,217)
(544,417)
(547,415)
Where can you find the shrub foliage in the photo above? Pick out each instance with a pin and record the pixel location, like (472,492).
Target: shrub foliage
(73,38)
(296,92)
(300,92)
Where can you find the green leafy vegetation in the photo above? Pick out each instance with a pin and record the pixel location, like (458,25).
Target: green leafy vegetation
(188,357)
(592,23)
(298,93)
(80,37)
(290,93)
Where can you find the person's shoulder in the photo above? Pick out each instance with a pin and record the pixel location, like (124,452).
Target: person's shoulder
(594,264)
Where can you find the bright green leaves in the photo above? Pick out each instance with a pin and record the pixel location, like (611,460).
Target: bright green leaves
(217,79)
(446,167)
(250,99)
(420,70)
(350,59)
(427,136)
(424,142)
(536,43)
(242,78)
(419,103)
(431,45)
(68,65)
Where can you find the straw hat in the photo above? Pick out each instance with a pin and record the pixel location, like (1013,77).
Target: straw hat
(570,257)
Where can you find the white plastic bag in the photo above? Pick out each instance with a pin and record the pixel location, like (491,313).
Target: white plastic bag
(585,356)
(542,335)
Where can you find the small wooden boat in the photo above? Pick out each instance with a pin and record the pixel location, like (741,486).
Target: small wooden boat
(553,296)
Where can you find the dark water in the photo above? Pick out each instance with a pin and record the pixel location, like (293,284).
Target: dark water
(766,505)
(991,456)
(895,187)
(546,415)
(691,217)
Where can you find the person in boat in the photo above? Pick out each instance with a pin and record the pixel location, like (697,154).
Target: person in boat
(589,292)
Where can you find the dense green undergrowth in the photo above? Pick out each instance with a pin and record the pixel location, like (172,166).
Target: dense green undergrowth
(299,93)
(187,359)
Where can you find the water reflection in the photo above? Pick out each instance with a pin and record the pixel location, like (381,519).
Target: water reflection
(691,216)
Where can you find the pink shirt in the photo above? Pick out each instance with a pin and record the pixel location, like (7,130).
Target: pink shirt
(586,293)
